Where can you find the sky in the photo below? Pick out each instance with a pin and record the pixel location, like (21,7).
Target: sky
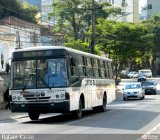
(141,4)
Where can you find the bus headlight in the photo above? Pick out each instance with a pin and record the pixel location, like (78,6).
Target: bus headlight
(62,95)
(14,98)
(57,96)
(19,97)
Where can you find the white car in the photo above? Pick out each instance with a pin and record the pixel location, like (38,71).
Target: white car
(133,90)
(146,72)
(133,74)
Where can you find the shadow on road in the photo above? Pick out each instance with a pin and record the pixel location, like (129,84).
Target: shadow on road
(128,119)
(64,118)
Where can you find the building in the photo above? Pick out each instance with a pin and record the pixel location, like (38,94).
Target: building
(48,38)
(45,7)
(153,7)
(15,34)
(143,14)
(130,10)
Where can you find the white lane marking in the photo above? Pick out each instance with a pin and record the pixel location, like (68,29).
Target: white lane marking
(153,129)
(77,121)
(120,105)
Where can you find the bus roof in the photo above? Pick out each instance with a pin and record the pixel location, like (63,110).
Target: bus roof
(60,47)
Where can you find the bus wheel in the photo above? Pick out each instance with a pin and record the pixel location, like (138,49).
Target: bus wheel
(102,108)
(33,115)
(78,113)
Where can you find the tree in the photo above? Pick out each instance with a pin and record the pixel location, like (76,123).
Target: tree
(154,25)
(16,9)
(125,42)
(74,17)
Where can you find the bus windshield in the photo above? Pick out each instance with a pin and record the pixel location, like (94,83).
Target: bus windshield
(44,73)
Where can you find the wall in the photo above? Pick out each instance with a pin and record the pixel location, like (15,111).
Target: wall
(2,89)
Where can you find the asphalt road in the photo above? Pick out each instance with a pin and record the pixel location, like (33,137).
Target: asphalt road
(123,120)
(122,117)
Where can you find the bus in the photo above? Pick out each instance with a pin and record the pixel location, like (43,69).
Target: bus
(38,84)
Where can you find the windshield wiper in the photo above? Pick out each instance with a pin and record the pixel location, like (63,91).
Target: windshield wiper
(43,81)
(25,85)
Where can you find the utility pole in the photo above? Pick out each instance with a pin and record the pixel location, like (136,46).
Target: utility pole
(92,49)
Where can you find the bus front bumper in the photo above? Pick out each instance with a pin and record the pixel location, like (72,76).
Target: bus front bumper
(50,107)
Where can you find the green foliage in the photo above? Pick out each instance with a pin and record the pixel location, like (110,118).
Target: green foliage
(153,25)
(78,45)
(125,42)
(74,17)
(15,8)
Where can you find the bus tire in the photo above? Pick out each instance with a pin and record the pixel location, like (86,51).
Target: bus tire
(33,115)
(78,113)
(103,108)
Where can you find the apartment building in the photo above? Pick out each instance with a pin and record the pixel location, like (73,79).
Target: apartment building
(153,8)
(130,10)
(45,7)
(47,36)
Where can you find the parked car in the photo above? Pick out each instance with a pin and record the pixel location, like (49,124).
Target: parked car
(146,72)
(133,90)
(141,77)
(133,74)
(124,73)
(149,87)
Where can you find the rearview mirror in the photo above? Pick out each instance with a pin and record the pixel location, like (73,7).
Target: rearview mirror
(73,61)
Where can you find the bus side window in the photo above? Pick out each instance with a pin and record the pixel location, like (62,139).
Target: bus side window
(92,67)
(84,66)
(107,70)
(99,68)
(73,66)
(102,69)
(110,70)
(96,68)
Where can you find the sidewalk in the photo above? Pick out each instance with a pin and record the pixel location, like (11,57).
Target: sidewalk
(7,115)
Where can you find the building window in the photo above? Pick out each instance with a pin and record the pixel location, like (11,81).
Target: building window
(112,1)
(124,4)
(150,6)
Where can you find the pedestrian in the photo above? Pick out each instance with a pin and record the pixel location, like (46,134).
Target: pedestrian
(7,68)
(6,98)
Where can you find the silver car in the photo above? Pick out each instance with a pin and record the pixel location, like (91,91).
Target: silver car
(133,90)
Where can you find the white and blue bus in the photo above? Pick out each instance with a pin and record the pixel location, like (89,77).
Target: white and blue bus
(51,79)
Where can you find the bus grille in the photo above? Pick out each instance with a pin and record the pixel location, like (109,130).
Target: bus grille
(37,99)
